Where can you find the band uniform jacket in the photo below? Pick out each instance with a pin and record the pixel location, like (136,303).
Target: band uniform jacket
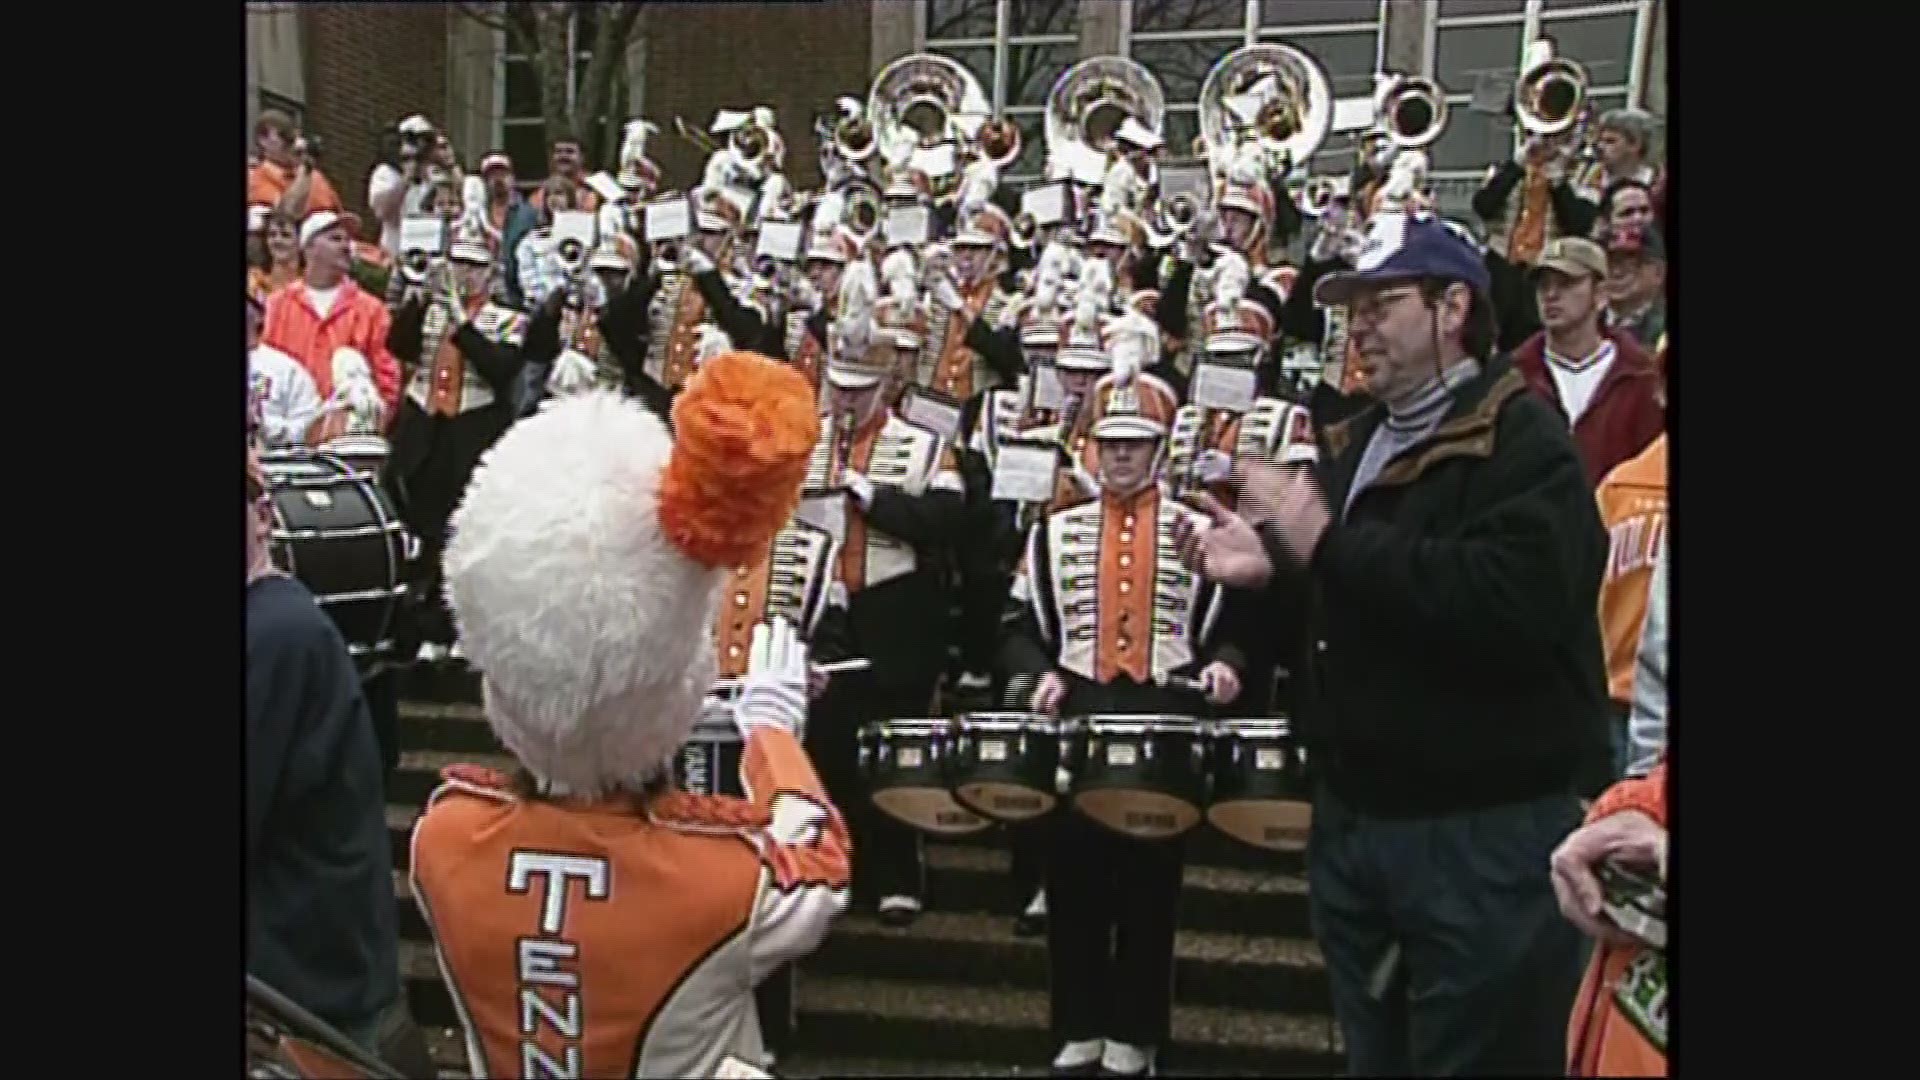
(677,303)
(964,353)
(888,558)
(613,338)
(1103,595)
(797,580)
(805,343)
(1270,430)
(625,937)
(458,397)
(1187,294)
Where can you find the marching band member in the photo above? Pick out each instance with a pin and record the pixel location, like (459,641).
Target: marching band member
(282,392)
(828,254)
(590,335)
(1549,207)
(965,352)
(682,295)
(794,579)
(591,921)
(325,311)
(894,496)
(464,352)
(1248,214)
(1107,642)
(1205,442)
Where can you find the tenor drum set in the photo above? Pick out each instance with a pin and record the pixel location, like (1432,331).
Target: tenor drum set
(1145,777)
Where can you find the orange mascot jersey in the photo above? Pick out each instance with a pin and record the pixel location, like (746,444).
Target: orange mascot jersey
(624,938)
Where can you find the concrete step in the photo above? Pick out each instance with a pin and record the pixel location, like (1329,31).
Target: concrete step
(949,1024)
(971,879)
(1285,974)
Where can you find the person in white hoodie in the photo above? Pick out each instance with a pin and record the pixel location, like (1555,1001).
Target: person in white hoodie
(285,401)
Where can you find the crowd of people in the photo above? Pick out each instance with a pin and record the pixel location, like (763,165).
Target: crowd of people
(1408,490)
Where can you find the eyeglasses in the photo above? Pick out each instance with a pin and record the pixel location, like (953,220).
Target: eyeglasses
(1372,309)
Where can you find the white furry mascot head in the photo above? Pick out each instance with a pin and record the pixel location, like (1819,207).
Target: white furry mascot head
(586,554)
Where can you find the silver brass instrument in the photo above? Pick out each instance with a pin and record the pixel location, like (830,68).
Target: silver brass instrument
(1091,99)
(1271,96)
(1549,95)
(1411,110)
(1319,193)
(915,101)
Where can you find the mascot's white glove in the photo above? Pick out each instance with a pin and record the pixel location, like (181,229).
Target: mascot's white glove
(774,691)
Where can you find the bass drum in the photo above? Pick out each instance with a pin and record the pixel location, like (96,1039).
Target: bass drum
(367,453)
(286,1042)
(337,531)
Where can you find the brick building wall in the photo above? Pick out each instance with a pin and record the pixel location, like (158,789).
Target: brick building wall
(367,66)
(795,57)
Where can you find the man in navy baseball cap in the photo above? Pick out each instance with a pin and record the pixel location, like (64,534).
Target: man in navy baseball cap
(1435,576)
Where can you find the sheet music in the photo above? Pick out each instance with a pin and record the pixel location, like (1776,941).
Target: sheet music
(669,219)
(1047,393)
(1046,203)
(905,225)
(934,411)
(780,239)
(1224,386)
(1024,471)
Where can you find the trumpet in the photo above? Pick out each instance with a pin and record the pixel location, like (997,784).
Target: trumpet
(1319,193)
(843,444)
(1412,111)
(1549,95)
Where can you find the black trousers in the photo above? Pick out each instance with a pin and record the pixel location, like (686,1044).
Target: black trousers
(1446,951)
(1111,909)
(887,853)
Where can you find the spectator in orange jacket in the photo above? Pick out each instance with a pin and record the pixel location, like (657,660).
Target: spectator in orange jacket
(286,173)
(1619,1021)
(325,311)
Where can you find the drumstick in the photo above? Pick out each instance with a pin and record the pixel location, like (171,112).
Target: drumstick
(838,667)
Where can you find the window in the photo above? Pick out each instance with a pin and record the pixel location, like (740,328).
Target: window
(1471,40)
(1181,40)
(1017,49)
(522,127)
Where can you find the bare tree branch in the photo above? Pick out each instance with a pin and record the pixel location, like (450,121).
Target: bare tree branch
(616,22)
(516,34)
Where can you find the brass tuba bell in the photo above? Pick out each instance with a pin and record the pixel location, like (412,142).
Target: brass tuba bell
(914,101)
(1272,95)
(1091,99)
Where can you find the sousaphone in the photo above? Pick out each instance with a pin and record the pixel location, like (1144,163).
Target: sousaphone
(1270,94)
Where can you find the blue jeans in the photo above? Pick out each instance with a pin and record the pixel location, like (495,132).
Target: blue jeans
(1445,948)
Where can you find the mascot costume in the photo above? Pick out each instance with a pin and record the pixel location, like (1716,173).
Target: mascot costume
(589,919)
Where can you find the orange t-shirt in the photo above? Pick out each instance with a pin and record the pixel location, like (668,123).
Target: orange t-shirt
(1633,505)
(267,183)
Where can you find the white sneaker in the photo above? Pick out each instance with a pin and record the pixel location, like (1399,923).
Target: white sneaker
(1125,1059)
(454,653)
(1037,907)
(1078,1055)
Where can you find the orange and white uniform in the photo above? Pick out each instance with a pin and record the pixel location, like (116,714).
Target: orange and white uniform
(624,938)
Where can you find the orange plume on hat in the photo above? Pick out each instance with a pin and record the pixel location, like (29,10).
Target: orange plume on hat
(744,429)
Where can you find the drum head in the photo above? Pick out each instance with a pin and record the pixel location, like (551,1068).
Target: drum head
(1143,815)
(930,810)
(1270,824)
(1004,801)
